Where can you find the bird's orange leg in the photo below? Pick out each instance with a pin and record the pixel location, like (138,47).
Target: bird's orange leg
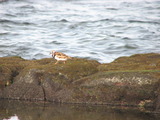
(57,62)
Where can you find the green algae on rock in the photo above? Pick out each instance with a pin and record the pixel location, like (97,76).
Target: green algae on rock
(43,80)
(150,61)
(129,81)
(9,68)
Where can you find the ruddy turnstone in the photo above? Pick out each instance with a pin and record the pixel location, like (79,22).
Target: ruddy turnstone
(59,56)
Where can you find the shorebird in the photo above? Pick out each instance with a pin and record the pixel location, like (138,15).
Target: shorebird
(59,56)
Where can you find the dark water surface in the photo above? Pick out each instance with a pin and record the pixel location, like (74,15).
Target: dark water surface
(50,111)
(96,29)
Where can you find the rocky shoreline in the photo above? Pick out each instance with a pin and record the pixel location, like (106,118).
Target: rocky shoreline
(127,81)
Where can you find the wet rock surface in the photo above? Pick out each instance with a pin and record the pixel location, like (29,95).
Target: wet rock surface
(128,81)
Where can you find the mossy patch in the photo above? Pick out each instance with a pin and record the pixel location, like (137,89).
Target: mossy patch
(127,80)
(9,68)
(63,73)
(150,61)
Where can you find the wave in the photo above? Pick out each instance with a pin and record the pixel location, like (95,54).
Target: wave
(94,21)
(111,8)
(139,21)
(27,7)
(99,20)
(10,15)
(62,20)
(85,21)
(3,0)
(55,42)
(4,33)
(15,22)
(76,24)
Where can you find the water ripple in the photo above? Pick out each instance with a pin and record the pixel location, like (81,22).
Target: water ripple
(101,30)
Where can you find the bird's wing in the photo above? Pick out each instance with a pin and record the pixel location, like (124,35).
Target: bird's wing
(61,55)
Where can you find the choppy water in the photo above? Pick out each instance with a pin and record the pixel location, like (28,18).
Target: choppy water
(96,29)
(47,111)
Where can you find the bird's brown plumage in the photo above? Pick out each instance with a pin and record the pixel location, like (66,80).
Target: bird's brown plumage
(60,56)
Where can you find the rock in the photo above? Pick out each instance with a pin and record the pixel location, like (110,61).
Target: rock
(10,68)
(157,97)
(127,81)
(121,88)
(36,85)
(43,80)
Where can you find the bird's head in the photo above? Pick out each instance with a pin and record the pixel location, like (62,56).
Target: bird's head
(52,52)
